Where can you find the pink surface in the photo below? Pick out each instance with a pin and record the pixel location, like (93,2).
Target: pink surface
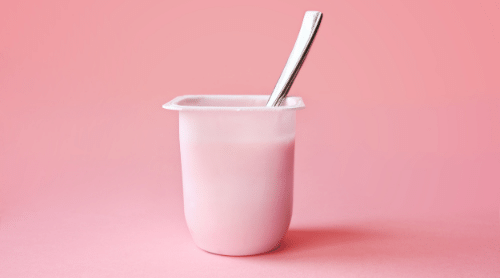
(397,153)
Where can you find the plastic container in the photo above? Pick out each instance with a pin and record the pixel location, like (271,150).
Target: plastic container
(237,161)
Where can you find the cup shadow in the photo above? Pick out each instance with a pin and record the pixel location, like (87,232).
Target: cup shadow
(323,241)
(306,239)
(365,244)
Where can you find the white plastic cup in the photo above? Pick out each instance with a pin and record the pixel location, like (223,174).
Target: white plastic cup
(237,159)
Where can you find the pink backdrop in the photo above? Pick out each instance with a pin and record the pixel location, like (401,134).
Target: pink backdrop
(397,153)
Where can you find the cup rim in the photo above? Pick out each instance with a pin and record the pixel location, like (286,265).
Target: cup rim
(181,103)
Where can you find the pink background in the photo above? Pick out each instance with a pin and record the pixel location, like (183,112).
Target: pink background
(397,153)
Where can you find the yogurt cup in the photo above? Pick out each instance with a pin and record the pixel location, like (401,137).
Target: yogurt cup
(237,158)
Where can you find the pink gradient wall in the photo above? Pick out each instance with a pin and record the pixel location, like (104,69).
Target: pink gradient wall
(403,98)
(402,115)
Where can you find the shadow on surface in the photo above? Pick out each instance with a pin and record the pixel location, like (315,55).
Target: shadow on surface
(323,242)
(361,244)
(297,240)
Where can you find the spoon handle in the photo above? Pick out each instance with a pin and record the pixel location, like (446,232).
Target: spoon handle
(310,25)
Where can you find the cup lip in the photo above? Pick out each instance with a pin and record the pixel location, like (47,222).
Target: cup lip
(292,103)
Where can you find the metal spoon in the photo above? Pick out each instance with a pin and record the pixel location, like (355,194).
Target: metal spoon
(310,25)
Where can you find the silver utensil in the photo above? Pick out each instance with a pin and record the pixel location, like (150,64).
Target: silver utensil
(310,25)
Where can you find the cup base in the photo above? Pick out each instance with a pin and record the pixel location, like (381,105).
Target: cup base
(274,248)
